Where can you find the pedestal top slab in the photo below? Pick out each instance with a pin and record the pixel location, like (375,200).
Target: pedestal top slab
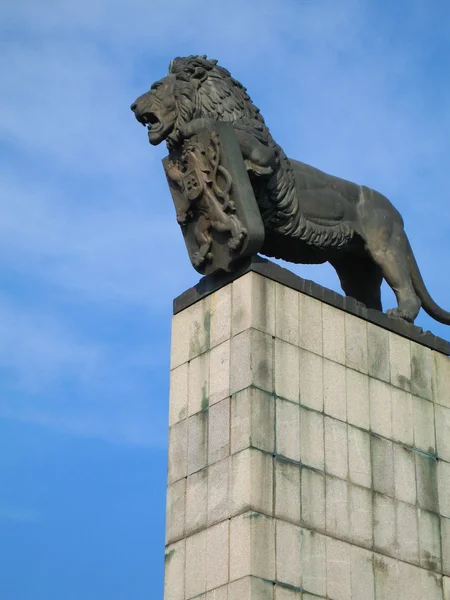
(211,283)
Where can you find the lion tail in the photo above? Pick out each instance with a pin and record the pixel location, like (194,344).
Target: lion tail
(428,304)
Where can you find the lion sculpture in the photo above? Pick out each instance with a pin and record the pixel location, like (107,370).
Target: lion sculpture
(309,216)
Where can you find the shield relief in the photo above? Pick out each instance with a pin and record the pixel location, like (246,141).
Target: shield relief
(215,204)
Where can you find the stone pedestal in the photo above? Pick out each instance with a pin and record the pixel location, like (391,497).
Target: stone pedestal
(309,448)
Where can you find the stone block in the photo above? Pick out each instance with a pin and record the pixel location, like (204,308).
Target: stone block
(361,516)
(446,588)
(311,380)
(220,593)
(252,420)
(287,593)
(443,473)
(178,397)
(418,584)
(427,487)
(313,499)
(196,501)
(219,431)
(333,334)
(197,452)
(424,432)
(378,352)
(220,329)
(250,588)
(441,378)
(445,533)
(310,330)
(198,384)
(179,348)
(252,546)
(219,372)
(312,445)
(405,474)
(175,510)
(314,562)
(407,533)
(362,580)
(380,408)
(287,314)
(409,582)
(251,482)
(287,429)
(402,416)
(178,444)
(358,411)
(334,390)
(443,432)
(219,491)
(356,349)
(191,332)
(337,508)
(387,583)
(196,564)
(288,553)
(217,541)
(287,375)
(287,491)
(338,569)
(384,524)
(253,304)
(251,361)
(430,541)
(400,360)
(174,571)
(383,466)
(431,585)
(421,371)
(336,448)
(360,467)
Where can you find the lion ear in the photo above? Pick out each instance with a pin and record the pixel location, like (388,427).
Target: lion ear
(200,74)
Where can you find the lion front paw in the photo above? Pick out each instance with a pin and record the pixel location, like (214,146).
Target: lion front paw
(398,313)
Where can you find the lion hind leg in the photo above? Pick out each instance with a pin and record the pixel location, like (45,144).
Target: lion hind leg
(360,279)
(392,257)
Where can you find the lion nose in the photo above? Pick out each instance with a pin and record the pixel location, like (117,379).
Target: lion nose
(134,106)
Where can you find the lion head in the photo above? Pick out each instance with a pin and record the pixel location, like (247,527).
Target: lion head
(195,87)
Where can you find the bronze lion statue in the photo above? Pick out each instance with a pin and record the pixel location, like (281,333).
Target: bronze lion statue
(309,216)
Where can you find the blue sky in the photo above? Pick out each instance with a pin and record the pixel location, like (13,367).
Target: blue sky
(91,256)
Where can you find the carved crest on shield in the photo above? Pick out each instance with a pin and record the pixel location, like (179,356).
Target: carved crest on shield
(214,200)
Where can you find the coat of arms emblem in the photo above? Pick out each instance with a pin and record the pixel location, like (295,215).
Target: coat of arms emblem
(214,200)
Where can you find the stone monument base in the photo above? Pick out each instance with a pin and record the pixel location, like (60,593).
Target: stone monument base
(309,447)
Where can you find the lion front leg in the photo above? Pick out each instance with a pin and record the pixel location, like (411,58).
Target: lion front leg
(195,127)
(258,157)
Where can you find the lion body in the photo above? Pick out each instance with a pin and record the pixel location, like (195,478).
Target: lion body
(309,216)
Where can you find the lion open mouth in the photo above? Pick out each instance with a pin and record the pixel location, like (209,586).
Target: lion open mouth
(151,121)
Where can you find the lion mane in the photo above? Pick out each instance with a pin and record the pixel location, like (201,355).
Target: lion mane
(203,89)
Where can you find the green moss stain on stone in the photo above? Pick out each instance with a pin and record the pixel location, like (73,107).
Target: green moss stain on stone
(256,515)
(169,555)
(421,371)
(207,329)
(380,565)
(205,399)
(194,342)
